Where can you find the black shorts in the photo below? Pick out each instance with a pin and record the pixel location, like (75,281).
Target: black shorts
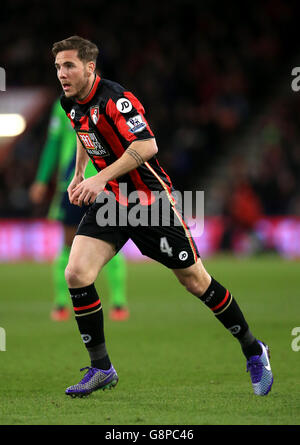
(167,240)
(71,214)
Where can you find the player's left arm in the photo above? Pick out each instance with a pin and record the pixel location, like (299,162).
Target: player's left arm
(137,153)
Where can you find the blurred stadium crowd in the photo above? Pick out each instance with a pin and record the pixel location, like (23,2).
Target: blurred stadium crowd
(202,69)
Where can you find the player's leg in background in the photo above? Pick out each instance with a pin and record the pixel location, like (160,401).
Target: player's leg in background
(70,216)
(62,303)
(116,275)
(225,308)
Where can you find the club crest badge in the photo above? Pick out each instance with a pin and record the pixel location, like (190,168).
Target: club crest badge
(94,112)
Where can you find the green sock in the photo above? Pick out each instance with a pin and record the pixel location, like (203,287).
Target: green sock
(61,292)
(115,271)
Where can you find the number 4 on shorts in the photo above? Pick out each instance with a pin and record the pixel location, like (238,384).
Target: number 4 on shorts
(164,246)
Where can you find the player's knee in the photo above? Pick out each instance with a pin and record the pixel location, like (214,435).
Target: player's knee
(78,277)
(196,284)
(192,285)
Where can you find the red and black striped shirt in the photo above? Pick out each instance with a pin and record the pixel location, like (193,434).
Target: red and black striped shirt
(107,122)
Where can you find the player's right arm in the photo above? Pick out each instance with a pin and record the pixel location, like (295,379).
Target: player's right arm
(82,159)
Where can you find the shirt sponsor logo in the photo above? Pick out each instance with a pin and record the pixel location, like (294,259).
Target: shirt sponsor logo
(136,124)
(94,112)
(124,105)
(91,144)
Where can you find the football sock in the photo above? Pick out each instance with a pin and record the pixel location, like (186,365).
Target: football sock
(115,271)
(225,308)
(61,294)
(250,345)
(89,317)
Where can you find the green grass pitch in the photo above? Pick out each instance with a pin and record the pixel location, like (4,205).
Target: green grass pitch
(176,363)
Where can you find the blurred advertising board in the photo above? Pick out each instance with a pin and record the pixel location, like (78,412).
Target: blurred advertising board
(41,240)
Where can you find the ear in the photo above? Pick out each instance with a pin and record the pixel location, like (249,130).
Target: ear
(91,66)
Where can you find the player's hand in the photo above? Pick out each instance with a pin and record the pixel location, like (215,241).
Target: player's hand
(73,184)
(87,191)
(37,192)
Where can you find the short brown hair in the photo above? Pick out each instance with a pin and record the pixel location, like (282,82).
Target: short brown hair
(87,51)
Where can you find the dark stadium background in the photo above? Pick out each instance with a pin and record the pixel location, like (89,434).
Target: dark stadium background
(215,78)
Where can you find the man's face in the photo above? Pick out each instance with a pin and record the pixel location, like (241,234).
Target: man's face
(73,74)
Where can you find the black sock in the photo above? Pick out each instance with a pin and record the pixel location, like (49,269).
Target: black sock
(89,316)
(250,345)
(227,311)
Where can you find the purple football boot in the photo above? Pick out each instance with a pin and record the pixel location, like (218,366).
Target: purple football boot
(93,380)
(260,371)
